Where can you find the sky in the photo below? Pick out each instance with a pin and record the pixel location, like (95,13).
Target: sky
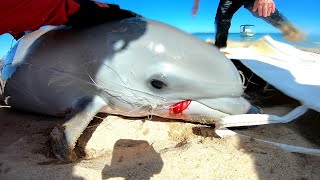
(304,15)
(178,13)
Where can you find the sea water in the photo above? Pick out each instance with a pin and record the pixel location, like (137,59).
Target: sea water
(311,41)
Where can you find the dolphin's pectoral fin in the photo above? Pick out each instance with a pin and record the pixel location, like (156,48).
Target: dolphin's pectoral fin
(64,137)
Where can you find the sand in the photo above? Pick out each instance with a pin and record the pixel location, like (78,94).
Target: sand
(158,149)
(236,44)
(143,149)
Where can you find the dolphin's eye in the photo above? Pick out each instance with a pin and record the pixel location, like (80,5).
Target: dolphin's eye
(157,84)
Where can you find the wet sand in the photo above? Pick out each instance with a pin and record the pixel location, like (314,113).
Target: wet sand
(159,149)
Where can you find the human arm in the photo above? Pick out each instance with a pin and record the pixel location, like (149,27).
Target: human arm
(264,7)
(18,16)
(29,15)
(195,7)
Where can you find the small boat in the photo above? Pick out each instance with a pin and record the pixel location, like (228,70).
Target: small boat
(246,30)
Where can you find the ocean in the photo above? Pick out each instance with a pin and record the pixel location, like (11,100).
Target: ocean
(311,41)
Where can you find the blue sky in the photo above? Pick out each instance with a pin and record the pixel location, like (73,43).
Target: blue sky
(178,13)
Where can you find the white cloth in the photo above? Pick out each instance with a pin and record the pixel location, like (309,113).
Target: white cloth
(294,72)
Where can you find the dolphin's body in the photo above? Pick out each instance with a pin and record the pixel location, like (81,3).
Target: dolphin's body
(134,67)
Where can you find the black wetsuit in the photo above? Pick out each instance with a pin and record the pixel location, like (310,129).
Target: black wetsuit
(224,14)
(91,13)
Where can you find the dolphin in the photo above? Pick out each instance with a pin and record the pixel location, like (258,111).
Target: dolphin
(133,67)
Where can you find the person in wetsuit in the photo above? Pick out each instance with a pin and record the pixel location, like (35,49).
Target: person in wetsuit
(264,9)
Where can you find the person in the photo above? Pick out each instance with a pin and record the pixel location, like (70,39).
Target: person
(18,16)
(265,9)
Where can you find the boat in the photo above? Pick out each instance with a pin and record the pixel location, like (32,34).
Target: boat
(246,30)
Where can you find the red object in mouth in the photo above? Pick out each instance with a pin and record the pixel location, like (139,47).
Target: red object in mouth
(179,107)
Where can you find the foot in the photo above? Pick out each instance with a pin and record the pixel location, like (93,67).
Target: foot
(291,33)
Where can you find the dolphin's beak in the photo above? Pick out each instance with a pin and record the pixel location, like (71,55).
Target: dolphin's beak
(208,110)
(230,105)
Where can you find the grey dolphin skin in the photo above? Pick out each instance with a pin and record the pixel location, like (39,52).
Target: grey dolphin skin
(134,67)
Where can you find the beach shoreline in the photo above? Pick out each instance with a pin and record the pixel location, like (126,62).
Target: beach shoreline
(239,44)
(313,50)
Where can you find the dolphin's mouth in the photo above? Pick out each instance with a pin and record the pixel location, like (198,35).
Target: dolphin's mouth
(211,108)
(230,105)
(207,111)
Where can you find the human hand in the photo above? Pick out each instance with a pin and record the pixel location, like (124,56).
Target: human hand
(102,5)
(264,7)
(194,10)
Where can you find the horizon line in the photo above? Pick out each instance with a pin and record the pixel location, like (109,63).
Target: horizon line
(233,32)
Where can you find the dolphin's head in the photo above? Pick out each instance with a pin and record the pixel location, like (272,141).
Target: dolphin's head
(169,73)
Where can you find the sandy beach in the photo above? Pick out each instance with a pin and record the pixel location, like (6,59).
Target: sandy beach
(314,50)
(159,148)
(236,44)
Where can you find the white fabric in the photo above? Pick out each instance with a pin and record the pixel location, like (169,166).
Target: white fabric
(259,119)
(294,72)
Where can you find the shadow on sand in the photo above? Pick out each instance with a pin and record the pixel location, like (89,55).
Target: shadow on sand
(133,159)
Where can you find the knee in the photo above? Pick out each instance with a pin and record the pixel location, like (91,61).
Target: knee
(224,23)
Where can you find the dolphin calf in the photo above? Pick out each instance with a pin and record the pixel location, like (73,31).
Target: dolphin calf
(132,67)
